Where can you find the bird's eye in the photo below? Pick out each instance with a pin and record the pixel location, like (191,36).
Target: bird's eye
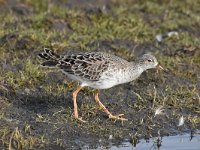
(149,60)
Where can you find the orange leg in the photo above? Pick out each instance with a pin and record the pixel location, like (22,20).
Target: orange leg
(117,117)
(75,104)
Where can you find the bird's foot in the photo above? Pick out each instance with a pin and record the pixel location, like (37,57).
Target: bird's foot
(117,117)
(80,119)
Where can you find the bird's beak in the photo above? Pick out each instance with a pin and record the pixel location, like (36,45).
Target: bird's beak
(159,67)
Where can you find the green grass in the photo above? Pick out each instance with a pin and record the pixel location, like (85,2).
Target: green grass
(36,104)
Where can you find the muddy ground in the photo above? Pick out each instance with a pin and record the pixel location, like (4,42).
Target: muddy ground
(36,104)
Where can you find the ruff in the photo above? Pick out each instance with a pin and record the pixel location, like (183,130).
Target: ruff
(99,71)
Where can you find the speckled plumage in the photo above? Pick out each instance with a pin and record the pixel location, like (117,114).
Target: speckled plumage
(95,69)
(98,70)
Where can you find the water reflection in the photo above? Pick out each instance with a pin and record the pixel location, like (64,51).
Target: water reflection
(179,142)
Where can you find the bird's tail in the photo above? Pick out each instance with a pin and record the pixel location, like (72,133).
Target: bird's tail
(51,58)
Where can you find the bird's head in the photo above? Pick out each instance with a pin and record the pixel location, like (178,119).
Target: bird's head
(148,61)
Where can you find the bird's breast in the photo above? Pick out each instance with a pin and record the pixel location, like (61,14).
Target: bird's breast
(120,76)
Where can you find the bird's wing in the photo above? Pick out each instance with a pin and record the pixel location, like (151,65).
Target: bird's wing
(88,66)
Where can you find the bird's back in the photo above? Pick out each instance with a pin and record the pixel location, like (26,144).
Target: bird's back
(83,66)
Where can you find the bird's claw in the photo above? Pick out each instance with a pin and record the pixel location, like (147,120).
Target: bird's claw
(80,119)
(117,117)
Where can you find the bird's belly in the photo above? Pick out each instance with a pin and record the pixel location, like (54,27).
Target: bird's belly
(110,80)
(101,84)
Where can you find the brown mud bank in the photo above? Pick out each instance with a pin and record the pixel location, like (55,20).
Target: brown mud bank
(36,104)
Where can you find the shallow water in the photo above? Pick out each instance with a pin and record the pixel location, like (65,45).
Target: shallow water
(178,142)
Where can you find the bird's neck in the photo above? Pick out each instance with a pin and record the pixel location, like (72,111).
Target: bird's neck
(138,67)
(133,71)
(141,67)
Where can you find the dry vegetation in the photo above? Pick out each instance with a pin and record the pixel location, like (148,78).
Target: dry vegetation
(36,103)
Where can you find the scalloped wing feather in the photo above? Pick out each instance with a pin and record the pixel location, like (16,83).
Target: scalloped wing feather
(87,65)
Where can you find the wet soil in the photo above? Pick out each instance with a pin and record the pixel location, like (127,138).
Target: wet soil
(37,112)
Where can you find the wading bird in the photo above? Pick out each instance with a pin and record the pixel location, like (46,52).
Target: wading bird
(99,71)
